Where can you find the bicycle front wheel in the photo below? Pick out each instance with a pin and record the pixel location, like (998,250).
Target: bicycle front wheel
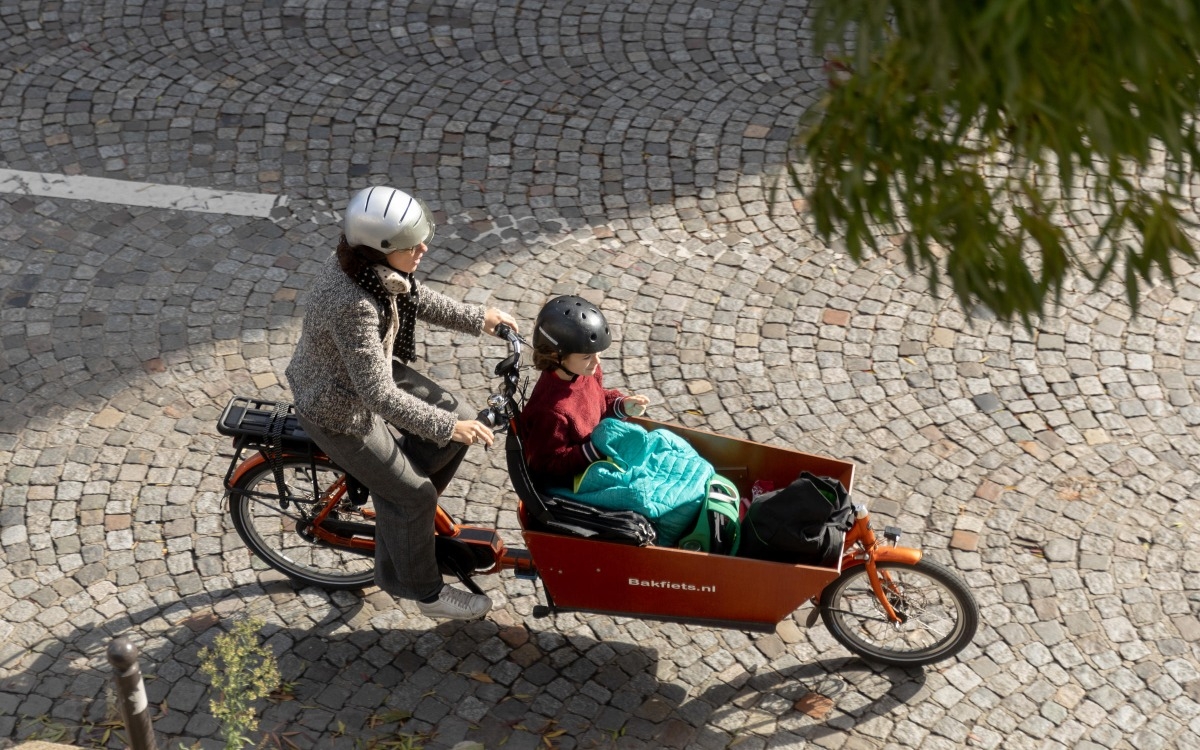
(279,532)
(939,616)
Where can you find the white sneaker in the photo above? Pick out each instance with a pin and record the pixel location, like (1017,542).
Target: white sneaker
(457,605)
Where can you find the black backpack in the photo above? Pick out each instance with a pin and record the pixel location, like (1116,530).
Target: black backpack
(804,523)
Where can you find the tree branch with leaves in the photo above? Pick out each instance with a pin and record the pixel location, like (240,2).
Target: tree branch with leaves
(982,131)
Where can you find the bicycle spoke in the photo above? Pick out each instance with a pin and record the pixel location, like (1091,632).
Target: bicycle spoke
(272,502)
(860,615)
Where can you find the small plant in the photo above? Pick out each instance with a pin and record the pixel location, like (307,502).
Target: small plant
(48,729)
(242,671)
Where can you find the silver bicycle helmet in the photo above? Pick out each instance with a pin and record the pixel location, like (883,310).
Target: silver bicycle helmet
(387,219)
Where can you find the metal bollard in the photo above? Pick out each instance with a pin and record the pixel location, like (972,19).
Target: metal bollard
(131,694)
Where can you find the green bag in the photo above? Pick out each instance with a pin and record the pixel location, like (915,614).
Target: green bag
(717,530)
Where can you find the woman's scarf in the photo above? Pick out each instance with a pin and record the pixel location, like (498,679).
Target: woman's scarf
(397,293)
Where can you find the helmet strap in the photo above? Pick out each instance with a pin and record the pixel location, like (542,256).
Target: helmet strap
(559,365)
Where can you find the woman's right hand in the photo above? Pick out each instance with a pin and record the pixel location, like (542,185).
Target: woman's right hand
(471,431)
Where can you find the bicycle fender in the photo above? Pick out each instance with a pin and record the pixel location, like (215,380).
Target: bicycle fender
(905,555)
(254,461)
(258,459)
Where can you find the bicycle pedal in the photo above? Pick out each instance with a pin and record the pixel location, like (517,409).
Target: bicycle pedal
(541,610)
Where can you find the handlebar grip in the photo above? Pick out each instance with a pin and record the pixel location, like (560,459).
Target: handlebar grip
(505,331)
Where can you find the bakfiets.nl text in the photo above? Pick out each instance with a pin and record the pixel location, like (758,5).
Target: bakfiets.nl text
(672,585)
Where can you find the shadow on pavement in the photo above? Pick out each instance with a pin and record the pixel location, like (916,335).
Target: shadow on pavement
(355,673)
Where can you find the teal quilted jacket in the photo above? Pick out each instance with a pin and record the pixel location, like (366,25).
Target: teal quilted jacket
(655,473)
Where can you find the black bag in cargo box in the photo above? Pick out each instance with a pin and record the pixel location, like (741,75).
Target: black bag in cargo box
(804,523)
(566,516)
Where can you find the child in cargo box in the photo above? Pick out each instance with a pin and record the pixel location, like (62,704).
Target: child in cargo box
(569,399)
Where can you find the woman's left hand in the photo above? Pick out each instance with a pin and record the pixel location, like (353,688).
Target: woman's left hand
(493,317)
(470,431)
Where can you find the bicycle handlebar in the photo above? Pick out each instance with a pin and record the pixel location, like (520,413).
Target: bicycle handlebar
(505,331)
(493,414)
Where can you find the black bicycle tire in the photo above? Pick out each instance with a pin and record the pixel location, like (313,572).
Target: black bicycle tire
(240,503)
(955,641)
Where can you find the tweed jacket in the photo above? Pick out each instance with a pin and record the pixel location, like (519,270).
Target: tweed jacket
(340,374)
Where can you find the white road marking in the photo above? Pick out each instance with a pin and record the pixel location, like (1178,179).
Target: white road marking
(147,194)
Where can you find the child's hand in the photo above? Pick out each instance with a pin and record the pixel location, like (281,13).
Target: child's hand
(635,406)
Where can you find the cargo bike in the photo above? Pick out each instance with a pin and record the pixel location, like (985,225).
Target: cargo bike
(302,515)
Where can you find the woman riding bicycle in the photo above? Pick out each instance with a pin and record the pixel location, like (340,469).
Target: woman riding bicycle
(351,376)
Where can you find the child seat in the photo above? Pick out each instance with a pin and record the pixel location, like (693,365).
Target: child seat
(564,516)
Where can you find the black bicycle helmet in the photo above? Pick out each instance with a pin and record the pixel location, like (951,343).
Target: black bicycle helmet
(571,325)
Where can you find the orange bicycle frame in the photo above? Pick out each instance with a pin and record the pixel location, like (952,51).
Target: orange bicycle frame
(863,548)
(444,525)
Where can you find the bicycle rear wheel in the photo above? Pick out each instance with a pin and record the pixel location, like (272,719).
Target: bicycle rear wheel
(279,533)
(939,615)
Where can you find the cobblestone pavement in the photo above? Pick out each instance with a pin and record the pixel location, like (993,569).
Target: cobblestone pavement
(625,152)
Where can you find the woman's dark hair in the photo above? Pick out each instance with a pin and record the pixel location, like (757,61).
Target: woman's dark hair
(354,259)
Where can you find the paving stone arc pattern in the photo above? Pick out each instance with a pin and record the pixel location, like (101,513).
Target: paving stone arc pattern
(623,153)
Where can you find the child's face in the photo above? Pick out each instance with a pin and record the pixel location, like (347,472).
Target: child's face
(581,364)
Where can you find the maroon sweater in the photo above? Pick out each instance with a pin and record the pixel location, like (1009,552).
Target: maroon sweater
(557,424)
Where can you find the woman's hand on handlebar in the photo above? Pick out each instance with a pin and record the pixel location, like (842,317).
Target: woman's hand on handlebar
(493,317)
(470,431)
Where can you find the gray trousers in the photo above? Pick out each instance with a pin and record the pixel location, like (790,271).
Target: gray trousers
(405,478)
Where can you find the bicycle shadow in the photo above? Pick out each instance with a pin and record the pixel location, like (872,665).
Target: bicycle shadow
(359,665)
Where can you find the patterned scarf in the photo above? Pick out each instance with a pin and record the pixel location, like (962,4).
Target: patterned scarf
(398,295)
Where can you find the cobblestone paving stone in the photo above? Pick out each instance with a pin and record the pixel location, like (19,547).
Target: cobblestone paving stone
(625,152)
